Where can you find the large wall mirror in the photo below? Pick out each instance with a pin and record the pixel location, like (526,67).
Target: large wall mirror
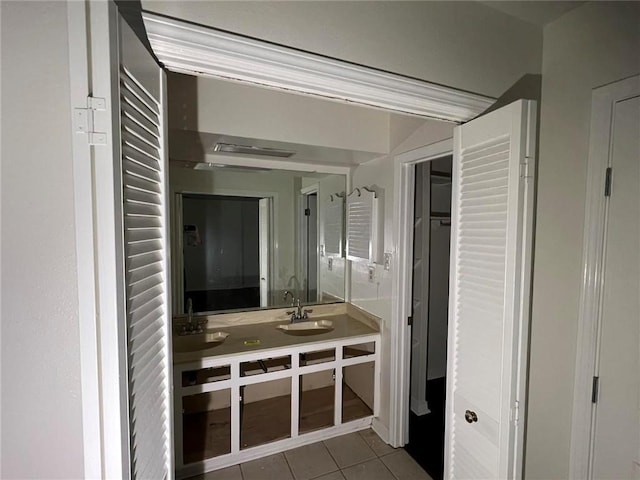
(250,238)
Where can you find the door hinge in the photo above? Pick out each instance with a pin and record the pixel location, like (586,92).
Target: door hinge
(526,170)
(307,212)
(83,120)
(410,320)
(595,389)
(516,412)
(607,182)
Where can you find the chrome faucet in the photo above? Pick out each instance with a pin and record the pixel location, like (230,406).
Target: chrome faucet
(299,313)
(192,326)
(286,294)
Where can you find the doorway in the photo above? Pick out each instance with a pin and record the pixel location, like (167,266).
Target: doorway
(310,248)
(224,268)
(429,100)
(430,299)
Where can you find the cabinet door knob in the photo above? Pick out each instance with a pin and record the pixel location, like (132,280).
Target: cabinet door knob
(470,416)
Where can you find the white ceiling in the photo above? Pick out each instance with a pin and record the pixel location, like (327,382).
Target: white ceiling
(532,11)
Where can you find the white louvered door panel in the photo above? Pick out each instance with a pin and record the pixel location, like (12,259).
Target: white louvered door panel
(362,226)
(489,292)
(144,210)
(333,226)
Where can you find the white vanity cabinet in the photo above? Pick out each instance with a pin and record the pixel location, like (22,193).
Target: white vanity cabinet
(238,407)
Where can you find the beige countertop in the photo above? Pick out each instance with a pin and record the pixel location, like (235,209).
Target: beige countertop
(249,338)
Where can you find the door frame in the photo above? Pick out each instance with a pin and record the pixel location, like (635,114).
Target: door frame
(418,403)
(304,238)
(400,361)
(265,233)
(603,103)
(103,356)
(177,238)
(96,442)
(102,359)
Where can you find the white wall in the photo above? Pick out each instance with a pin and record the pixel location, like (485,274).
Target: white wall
(460,44)
(590,46)
(218,106)
(41,396)
(375,297)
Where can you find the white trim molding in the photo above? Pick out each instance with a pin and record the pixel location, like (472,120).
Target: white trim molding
(204,51)
(85,246)
(404,192)
(603,104)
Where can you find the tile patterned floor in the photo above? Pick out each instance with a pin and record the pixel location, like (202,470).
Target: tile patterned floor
(355,456)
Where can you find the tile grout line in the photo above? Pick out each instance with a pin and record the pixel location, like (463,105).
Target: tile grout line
(317,476)
(324,444)
(341,469)
(286,460)
(388,469)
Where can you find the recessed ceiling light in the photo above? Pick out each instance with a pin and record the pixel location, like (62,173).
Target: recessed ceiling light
(252,150)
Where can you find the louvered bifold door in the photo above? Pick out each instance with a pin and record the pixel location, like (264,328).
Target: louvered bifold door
(363,226)
(145,247)
(489,293)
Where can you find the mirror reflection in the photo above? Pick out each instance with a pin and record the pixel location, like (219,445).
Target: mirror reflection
(250,238)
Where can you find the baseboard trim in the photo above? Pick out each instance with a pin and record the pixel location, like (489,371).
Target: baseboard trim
(420,407)
(381,430)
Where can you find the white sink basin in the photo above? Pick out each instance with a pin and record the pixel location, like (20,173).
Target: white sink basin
(307,328)
(194,343)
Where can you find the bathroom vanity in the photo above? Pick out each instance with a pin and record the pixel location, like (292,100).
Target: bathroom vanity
(245,390)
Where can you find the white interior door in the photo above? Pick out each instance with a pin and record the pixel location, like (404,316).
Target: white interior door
(616,438)
(131,188)
(264,207)
(492,193)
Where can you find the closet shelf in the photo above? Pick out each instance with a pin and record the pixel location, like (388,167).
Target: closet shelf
(440,182)
(440,179)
